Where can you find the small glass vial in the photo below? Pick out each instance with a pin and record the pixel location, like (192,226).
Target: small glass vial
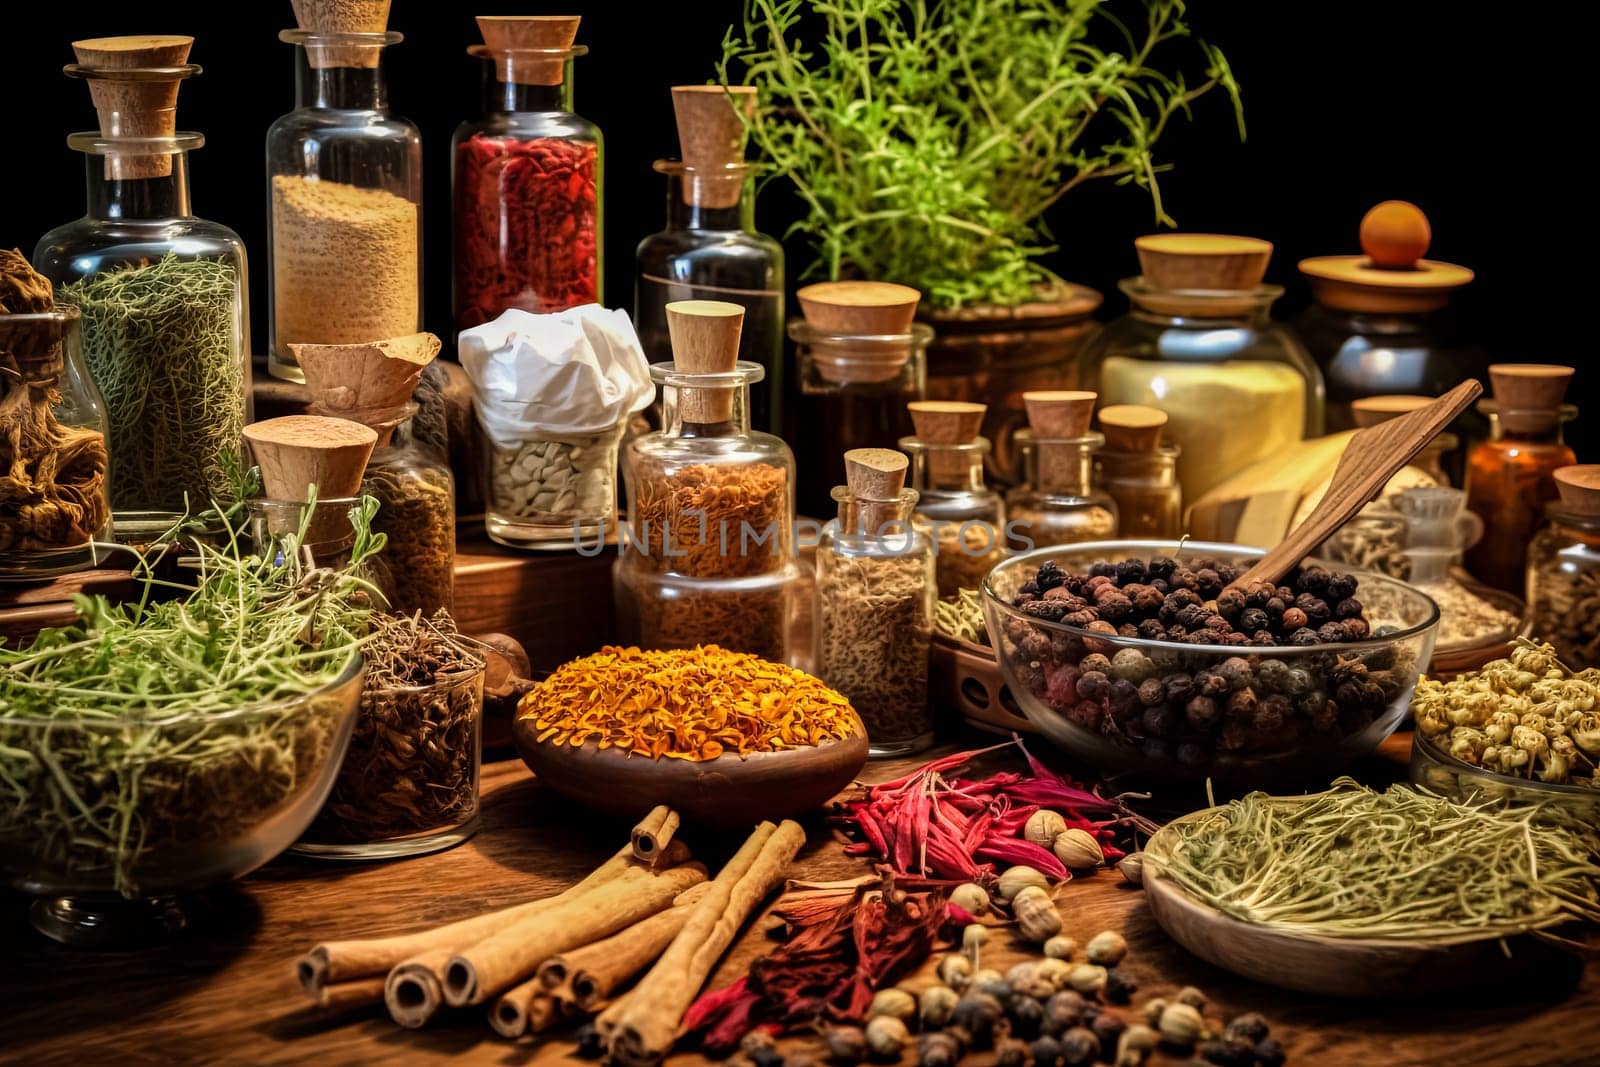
(860,360)
(54,503)
(1510,477)
(960,515)
(708,554)
(710,249)
(553,491)
(161,293)
(416,497)
(317,533)
(875,604)
(526,176)
(1058,503)
(344,181)
(1139,472)
(1563,581)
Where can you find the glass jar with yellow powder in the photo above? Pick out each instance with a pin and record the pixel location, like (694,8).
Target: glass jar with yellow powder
(1199,344)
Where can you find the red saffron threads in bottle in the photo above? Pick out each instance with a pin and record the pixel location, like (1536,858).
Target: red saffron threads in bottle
(525,226)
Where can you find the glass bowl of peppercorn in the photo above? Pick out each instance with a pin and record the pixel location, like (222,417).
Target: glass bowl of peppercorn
(1138,656)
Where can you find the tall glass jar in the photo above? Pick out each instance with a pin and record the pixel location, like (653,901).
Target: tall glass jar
(1235,385)
(1145,488)
(1563,579)
(1058,504)
(344,247)
(54,503)
(711,251)
(956,511)
(708,553)
(416,513)
(1510,479)
(163,296)
(853,394)
(876,592)
(526,176)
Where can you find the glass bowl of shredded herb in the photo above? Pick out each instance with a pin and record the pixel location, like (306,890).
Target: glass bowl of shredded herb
(182,738)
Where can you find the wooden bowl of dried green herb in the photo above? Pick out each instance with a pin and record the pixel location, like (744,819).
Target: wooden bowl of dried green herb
(724,738)
(1360,893)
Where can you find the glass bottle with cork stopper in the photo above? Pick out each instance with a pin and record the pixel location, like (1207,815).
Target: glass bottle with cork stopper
(1564,569)
(1139,472)
(1438,528)
(373,384)
(708,553)
(161,294)
(526,176)
(311,468)
(54,504)
(1510,477)
(956,510)
(1199,344)
(1379,323)
(875,603)
(1059,503)
(861,357)
(344,177)
(710,248)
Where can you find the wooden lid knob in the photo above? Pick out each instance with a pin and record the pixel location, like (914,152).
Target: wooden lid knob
(366,383)
(863,309)
(1371,410)
(946,422)
(1203,260)
(340,17)
(875,474)
(705,340)
(1059,413)
(1579,486)
(1132,427)
(505,35)
(143,102)
(297,452)
(711,139)
(1528,396)
(1395,234)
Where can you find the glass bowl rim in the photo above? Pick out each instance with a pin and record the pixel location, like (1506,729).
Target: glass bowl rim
(1108,548)
(1510,781)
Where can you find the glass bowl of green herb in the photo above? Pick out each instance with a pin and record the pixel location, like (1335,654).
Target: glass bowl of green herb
(1137,656)
(175,741)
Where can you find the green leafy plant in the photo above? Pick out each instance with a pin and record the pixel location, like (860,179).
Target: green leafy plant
(928,140)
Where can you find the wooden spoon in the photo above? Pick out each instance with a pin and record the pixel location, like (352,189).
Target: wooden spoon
(1372,457)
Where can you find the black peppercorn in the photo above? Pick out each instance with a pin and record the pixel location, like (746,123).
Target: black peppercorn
(1332,632)
(1130,571)
(1108,1027)
(1079,1046)
(1341,587)
(1230,602)
(1152,692)
(1094,685)
(1011,1053)
(1050,610)
(1119,988)
(1180,687)
(937,1049)
(1063,1011)
(1211,683)
(1046,1052)
(1193,754)
(1275,607)
(1026,1014)
(1228,1053)
(1316,608)
(1269,1053)
(1124,695)
(591,1046)
(1159,721)
(1304,636)
(1251,1025)
(977,1014)
(1155,750)
(1357,628)
(1161,567)
(1152,630)
(1208,583)
(1049,575)
(766,1057)
(1253,619)
(1102,569)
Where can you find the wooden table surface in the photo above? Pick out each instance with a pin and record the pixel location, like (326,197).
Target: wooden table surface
(226,993)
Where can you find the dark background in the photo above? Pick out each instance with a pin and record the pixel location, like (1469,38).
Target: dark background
(1473,118)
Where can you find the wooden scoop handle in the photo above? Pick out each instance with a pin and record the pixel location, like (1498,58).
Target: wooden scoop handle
(1373,456)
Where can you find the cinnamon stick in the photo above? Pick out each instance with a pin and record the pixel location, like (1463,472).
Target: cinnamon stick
(511,1018)
(504,958)
(593,971)
(340,961)
(641,1029)
(346,996)
(654,832)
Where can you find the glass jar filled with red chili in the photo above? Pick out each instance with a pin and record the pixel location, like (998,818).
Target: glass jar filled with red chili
(526,176)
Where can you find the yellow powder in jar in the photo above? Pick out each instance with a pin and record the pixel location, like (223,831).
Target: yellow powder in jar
(344,263)
(1224,416)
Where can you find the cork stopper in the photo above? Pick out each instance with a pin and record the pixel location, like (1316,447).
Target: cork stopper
(1371,410)
(705,340)
(366,383)
(506,35)
(341,17)
(711,137)
(1209,261)
(1528,396)
(297,452)
(875,474)
(1132,427)
(1579,486)
(1059,413)
(946,422)
(133,82)
(859,310)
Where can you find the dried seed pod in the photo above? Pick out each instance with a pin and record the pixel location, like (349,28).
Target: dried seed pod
(955,971)
(845,1044)
(1011,1052)
(1191,996)
(1015,879)
(1087,979)
(1153,1009)
(992,983)
(1078,850)
(1135,1045)
(1043,826)
(977,1014)
(1060,947)
(936,1005)
(886,1037)
(972,939)
(1029,980)
(970,898)
(1037,918)
(1054,971)
(1107,948)
(1132,868)
(1180,1025)
(938,1050)
(895,1002)
(1079,1046)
